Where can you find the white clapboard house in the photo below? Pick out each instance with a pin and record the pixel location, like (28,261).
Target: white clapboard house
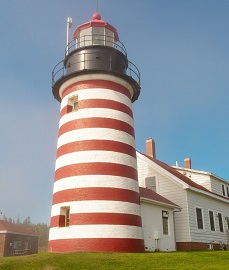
(197,208)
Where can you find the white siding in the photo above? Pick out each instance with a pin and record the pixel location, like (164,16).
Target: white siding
(199,178)
(185,221)
(176,194)
(170,190)
(152,223)
(144,170)
(217,186)
(207,204)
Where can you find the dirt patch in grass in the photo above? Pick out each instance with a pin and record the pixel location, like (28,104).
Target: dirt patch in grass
(49,268)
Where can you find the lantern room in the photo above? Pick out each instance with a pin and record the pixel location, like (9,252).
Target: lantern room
(95,48)
(95,32)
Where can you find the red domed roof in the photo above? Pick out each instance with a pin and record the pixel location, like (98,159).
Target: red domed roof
(96,16)
(96,22)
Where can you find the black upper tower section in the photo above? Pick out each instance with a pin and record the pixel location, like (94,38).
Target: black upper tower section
(95,48)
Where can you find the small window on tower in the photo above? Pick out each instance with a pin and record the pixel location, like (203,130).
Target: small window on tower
(64,218)
(72,104)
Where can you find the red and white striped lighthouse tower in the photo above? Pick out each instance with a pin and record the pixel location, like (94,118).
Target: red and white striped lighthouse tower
(96,202)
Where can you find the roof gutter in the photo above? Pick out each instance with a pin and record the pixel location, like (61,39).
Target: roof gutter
(143,199)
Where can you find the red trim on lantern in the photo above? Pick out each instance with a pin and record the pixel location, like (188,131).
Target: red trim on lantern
(95,23)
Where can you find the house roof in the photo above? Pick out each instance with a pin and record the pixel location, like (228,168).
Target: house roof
(201,172)
(182,177)
(8,227)
(155,197)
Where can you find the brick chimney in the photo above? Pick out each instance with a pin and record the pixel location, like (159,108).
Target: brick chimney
(187,163)
(150,148)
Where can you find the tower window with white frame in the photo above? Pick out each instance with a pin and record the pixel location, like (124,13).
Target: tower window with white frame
(72,104)
(151,183)
(64,218)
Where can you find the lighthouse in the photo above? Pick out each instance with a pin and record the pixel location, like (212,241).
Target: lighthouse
(96,201)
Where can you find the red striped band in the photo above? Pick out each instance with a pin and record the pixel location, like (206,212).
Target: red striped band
(104,84)
(96,193)
(101,103)
(100,218)
(96,122)
(96,168)
(90,145)
(97,244)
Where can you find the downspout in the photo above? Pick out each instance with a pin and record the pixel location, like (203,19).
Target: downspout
(175,211)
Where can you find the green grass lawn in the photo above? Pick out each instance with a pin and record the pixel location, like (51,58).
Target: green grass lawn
(198,260)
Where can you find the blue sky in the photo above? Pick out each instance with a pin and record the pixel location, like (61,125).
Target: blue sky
(182,51)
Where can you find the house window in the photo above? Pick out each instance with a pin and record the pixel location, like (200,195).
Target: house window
(150,183)
(15,244)
(212,222)
(227,219)
(72,104)
(220,222)
(26,245)
(64,218)
(227,192)
(165,222)
(199,219)
(223,190)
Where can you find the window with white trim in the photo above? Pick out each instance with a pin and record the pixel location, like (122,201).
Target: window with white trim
(220,222)
(199,219)
(72,104)
(212,221)
(64,218)
(227,220)
(151,183)
(165,222)
(223,190)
